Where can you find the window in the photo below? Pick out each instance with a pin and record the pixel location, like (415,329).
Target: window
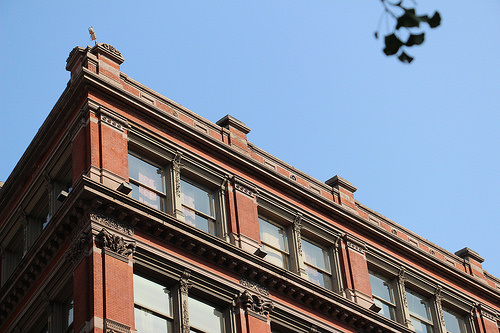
(68,314)
(204,317)
(156,307)
(317,264)
(420,312)
(198,206)
(383,295)
(454,322)
(147,182)
(189,191)
(274,241)
(153,306)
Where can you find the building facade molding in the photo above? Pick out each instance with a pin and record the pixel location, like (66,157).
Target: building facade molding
(111,326)
(355,244)
(111,223)
(255,304)
(254,286)
(116,245)
(244,186)
(78,248)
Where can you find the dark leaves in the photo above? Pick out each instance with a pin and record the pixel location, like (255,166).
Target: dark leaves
(403,57)
(392,44)
(406,24)
(408,19)
(415,39)
(435,20)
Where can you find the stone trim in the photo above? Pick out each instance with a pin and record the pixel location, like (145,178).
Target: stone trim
(113,120)
(111,223)
(297,227)
(487,313)
(355,244)
(254,286)
(111,326)
(243,186)
(78,248)
(115,245)
(110,51)
(255,303)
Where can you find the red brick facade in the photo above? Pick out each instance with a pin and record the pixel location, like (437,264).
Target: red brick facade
(129,211)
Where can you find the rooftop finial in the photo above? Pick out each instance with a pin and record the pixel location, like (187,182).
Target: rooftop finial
(92,35)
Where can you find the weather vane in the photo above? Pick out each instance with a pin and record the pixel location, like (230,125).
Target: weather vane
(92,35)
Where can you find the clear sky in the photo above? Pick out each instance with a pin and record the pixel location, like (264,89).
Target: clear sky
(420,141)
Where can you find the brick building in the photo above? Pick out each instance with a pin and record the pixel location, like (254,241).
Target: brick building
(129,212)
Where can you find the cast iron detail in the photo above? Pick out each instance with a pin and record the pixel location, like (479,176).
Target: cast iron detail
(254,286)
(111,223)
(255,303)
(116,244)
(112,326)
(78,247)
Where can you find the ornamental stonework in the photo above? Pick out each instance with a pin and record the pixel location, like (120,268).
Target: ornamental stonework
(78,247)
(255,303)
(242,185)
(112,326)
(112,122)
(355,247)
(254,286)
(111,223)
(116,245)
(297,227)
(111,49)
(184,284)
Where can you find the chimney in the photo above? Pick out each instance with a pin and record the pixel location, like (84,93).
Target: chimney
(237,136)
(474,259)
(346,191)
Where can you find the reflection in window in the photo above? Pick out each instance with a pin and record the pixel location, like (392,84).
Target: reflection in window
(383,296)
(419,312)
(204,317)
(317,262)
(147,182)
(198,206)
(454,322)
(68,314)
(274,241)
(153,306)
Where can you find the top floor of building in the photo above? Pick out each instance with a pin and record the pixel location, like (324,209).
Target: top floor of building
(132,153)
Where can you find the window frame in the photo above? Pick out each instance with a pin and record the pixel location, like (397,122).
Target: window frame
(176,165)
(429,307)
(200,288)
(286,253)
(163,201)
(169,318)
(393,305)
(438,296)
(329,260)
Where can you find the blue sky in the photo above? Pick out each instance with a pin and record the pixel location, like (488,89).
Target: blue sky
(420,142)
